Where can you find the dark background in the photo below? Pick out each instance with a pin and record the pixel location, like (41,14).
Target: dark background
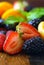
(34,3)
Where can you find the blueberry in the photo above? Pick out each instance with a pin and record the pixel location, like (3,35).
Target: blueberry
(1,21)
(11,26)
(2,32)
(28,8)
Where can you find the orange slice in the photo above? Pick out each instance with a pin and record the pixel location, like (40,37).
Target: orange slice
(11,12)
(4,6)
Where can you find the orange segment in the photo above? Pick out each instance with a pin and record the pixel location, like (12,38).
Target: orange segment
(11,12)
(4,6)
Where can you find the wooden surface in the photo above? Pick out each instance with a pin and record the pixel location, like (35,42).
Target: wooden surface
(18,59)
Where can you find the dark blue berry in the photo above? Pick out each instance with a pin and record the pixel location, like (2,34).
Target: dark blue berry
(3,32)
(34,46)
(11,26)
(1,21)
(28,8)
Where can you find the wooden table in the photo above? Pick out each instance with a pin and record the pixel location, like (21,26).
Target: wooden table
(19,59)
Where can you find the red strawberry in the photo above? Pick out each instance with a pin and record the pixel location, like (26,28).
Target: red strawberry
(8,32)
(2,39)
(27,30)
(13,43)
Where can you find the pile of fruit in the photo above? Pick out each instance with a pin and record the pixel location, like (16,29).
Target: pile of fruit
(20,30)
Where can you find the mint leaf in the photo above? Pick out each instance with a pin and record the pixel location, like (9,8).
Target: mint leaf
(13,19)
(35,13)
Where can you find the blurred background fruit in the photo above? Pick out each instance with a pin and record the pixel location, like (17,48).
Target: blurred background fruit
(4,6)
(20,5)
(41,29)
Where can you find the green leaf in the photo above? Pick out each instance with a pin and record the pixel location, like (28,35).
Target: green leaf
(13,19)
(24,13)
(35,13)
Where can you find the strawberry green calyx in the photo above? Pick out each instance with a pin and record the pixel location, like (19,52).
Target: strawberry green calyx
(18,29)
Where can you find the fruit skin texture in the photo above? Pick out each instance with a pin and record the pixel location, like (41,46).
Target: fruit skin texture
(34,46)
(4,6)
(35,23)
(27,31)
(11,12)
(2,39)
(13,43)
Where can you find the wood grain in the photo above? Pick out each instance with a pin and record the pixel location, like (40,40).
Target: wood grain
(19,59)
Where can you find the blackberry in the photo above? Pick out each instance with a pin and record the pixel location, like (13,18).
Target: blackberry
(33,46)
(1,23)
(35,22)
(10,26)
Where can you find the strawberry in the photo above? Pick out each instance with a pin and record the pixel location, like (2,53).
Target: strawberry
(8,32)
(27,30)
(2,39)
(13,43)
